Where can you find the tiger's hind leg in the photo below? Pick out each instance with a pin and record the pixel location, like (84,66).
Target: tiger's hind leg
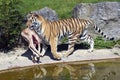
(87,38)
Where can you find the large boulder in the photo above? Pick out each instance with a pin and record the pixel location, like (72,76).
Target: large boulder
(48,14)
(106,16)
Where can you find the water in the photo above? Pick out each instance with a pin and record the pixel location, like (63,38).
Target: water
(105,70)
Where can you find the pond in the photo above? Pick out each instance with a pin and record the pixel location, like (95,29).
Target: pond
(91,70)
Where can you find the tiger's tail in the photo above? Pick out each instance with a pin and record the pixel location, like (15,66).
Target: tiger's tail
(101,32)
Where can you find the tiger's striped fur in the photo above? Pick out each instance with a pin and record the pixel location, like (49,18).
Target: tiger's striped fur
(74,28)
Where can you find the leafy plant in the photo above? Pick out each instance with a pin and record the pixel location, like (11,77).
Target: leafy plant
(10,23)
(101,43)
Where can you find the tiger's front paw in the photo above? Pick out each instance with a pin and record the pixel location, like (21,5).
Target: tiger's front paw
(57,56)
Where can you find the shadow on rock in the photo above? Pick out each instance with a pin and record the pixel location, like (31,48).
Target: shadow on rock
(28,54)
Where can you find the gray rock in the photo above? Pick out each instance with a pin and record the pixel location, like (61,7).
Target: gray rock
(106,16)
(48,14)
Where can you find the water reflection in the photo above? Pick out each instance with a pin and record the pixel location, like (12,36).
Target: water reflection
(63,71)
(60,71)
(41,73)
(90,73)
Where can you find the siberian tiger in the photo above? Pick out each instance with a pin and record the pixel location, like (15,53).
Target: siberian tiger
(74,28)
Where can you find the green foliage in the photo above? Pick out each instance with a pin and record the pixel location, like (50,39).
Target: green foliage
(118,42)
(10,23)
(64,40)
(100,43)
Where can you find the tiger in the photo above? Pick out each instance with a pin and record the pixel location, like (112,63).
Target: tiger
(51,32)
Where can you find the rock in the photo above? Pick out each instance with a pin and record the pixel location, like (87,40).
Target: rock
(106,16)
(48,14)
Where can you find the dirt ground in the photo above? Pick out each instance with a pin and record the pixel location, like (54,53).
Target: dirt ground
(20,57)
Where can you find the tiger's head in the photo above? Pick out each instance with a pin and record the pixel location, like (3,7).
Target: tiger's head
(34,21)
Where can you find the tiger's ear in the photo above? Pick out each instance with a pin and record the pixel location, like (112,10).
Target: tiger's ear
(30,12)
(36,15)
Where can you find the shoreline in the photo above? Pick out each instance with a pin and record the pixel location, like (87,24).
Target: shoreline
(21,57)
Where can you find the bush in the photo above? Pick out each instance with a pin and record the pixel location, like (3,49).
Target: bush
(10,24)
